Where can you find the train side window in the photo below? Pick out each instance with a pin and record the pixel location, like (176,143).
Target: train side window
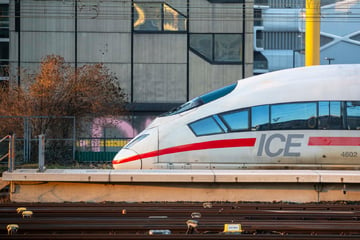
(329,115)
(353,115)
(136,140)
(260,118)
(221,123)
(205,126)
(294,116)
(237,121)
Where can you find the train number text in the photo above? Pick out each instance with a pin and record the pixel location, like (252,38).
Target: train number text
(349,154)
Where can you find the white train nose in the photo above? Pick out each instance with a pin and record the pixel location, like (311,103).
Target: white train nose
(127,159)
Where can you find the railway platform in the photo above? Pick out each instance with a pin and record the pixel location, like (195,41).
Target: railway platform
(97,185)
(3,184)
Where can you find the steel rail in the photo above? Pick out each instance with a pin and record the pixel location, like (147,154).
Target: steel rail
(177,236)
(108,220)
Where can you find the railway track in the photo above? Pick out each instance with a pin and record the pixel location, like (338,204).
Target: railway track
(138,220)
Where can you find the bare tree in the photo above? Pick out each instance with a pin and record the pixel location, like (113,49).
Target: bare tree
(60,89)
(57,90)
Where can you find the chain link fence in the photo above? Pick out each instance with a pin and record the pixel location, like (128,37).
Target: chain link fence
(62,146)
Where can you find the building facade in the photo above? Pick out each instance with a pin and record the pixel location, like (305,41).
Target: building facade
(4,43)
(163,52)
(279,33)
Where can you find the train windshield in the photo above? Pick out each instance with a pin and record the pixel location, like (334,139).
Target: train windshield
(203,99)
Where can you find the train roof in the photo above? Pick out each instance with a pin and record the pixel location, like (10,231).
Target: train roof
(315,83)
(312,83)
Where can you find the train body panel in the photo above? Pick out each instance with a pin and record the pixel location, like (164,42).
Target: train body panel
(272,149)
(141,152)
(300,118)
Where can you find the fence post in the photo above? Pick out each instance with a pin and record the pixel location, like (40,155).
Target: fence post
(11,162)
(41,153)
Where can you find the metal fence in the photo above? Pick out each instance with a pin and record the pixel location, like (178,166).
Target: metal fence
(60,135)
(61,148)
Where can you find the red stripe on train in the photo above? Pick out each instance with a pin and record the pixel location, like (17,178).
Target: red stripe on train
(227,143)
(334,141)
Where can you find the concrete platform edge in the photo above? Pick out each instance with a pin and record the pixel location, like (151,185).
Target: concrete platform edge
(205,176)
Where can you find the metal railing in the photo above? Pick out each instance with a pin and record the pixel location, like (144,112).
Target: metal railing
(28,128)
(11,152)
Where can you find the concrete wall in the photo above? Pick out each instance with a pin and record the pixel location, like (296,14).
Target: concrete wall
(206,17)
(97,185)
(160,67)
(144,192)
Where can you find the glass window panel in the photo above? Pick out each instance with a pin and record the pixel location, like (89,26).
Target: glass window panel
(260,118)
(185,107)
(353,115)
(293,116)
(205,126)
(136,140)
(147,16)
(202,43)
(221,123)
(258,17)
(4,60)
(213,95)
(4,33)
(4,20)
(4,51)
(228,48)
(237,120)
(173,20)
(4,16)
(203,99)
(226,1)
(329,115)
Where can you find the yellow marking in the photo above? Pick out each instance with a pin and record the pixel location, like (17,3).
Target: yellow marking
(312,33)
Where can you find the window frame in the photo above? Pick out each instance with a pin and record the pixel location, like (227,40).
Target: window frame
(213,59)
(346,114)
(162,20)
(208,133)
(219,116)
(226,1)
(203,99)
(4,21)
(315,117)
(268,117)
(330,115)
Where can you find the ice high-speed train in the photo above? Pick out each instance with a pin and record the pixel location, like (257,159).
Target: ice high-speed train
(302,118)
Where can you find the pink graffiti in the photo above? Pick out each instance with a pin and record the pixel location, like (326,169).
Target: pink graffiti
(98,128)
(148,121)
